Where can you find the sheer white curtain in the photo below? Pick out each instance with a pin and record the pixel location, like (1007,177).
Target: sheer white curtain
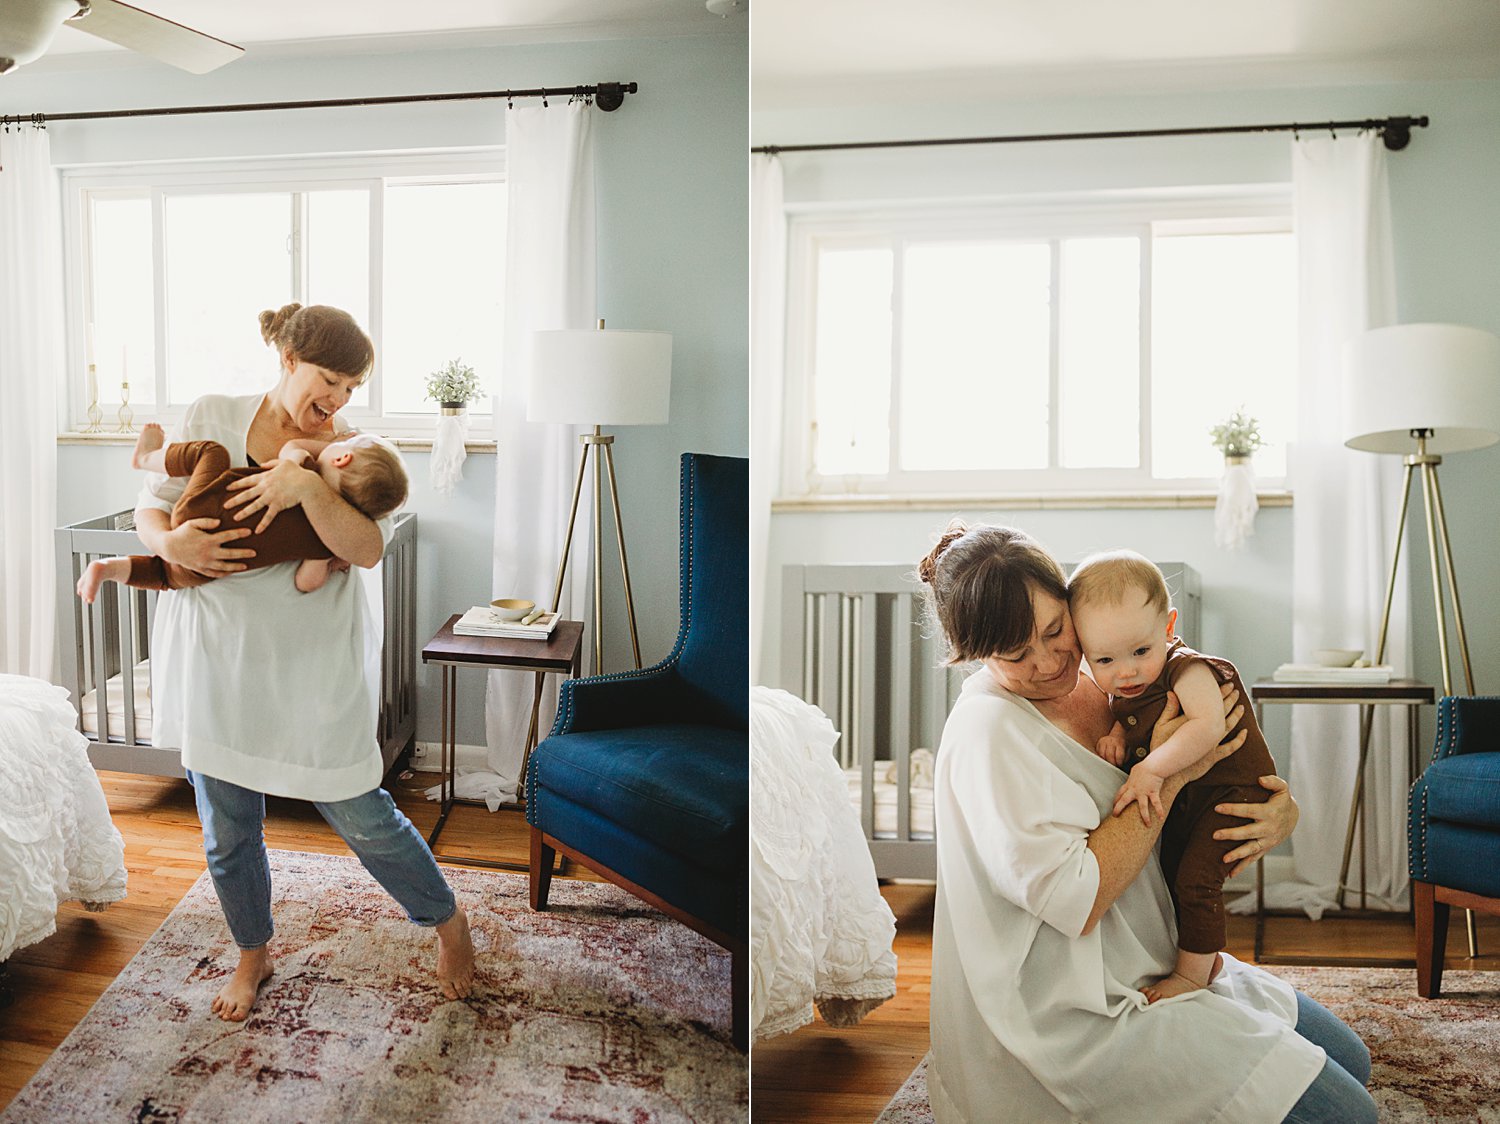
(767,332)
(549,272)
(1343,528)
(31,365)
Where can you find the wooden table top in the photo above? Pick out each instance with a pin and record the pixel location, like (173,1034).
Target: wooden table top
(557,653)
(1409,691)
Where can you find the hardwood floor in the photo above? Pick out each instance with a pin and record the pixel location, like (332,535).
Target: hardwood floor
(847,1076)
(52,984)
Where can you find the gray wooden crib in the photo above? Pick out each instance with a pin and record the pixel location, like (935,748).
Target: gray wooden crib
(853,644)
(106,648)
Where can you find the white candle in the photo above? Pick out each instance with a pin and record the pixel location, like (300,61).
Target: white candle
(93,386)
(124,370)
(88,355)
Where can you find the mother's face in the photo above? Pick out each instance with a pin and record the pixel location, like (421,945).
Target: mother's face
(1046,666)
(313,394)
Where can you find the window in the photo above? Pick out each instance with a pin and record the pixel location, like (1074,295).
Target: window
(1076,349)
(172,264)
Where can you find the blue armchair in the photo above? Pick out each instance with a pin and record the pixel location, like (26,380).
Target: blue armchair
(645,775)
(1454,828)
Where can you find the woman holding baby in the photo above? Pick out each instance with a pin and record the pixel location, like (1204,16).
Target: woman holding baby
(270,690)
(1052,914)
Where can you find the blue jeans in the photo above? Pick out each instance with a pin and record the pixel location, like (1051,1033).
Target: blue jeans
(376,830)
(1338,1094)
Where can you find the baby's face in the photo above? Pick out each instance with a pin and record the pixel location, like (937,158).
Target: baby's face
(1126,645)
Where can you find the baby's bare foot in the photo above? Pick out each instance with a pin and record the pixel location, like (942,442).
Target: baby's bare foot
(98,572)
(237,996)
(151,439)
(455,956)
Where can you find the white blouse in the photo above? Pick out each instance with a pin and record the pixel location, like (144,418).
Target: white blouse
(1032,1021)
(256,683)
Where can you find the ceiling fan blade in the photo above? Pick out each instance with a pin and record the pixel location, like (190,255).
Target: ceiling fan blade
(160,38)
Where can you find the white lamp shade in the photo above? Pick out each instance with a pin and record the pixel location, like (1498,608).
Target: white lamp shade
(600,377)
(1440,377)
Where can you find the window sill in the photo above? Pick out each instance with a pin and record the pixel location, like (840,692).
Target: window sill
(824,504)
(407,444)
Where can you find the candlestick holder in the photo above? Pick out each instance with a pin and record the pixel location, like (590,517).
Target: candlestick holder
(94,414)
(126,414)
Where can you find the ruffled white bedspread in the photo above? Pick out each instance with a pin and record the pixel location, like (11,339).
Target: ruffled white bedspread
(820,931)
(56,838)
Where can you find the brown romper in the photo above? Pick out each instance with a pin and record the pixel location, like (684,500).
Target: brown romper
(290,538)
(1191,858)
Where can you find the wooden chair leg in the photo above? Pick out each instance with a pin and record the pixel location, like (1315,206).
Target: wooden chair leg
(739,976)
(1432,938)
(542,857)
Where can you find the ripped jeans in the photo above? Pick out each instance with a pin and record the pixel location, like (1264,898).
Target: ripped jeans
(384,840)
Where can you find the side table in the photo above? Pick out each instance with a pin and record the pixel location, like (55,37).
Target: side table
(1409,693)
(561,653)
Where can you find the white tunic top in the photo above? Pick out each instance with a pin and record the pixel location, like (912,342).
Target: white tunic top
(1033,1022)
(256,683)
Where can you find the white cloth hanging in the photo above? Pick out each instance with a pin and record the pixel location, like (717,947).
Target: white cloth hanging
(447,462)
(31,363)
(1343,528)
(767,329)
(1234,512)
(549,269)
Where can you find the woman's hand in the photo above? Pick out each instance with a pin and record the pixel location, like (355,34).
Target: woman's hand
(198,546)
(1268,824)
(281,486)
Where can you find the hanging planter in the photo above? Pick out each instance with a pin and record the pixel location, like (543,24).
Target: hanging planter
(453,386)
(1237,437)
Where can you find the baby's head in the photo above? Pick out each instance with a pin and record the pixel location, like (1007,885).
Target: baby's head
(367,472)
(1124,619)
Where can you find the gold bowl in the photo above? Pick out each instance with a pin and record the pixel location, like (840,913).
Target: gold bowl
(512,608)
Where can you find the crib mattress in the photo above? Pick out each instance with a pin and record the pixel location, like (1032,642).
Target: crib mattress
(920,812)
(114,705)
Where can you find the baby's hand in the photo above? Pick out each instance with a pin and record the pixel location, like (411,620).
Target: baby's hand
(1143,789)
(1111,747)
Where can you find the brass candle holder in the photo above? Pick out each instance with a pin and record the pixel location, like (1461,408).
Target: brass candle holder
(125,414)
(94,413)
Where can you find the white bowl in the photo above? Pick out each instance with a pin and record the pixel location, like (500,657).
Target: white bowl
(512,608)
(1337,657)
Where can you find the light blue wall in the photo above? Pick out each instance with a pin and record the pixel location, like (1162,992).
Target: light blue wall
(672,205)
(1447,230)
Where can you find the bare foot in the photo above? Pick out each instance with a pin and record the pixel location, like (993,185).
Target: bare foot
(1179,984)
(455,956)
(151,439)
(236,997)
(99,572)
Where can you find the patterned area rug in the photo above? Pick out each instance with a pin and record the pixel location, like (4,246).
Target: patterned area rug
(599,1009)
(1432,1059)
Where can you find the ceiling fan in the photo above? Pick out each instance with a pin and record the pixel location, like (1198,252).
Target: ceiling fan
(27,28)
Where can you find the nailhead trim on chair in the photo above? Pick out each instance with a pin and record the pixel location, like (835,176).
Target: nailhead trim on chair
(564,720)
(1449,734)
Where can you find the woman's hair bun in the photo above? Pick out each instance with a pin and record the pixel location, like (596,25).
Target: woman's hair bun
(272,322)
(927,568)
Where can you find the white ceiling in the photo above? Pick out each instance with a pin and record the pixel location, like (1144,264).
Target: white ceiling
(833,51)
(267,27)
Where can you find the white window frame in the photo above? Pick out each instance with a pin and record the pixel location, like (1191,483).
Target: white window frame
(813,227)
(158,180)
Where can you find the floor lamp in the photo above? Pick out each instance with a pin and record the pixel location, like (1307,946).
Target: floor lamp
(600,377)
(1419,391)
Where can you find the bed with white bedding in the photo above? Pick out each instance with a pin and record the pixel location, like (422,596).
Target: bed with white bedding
(57,841)
(820,933)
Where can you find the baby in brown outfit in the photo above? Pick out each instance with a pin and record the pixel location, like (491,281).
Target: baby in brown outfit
(361,468)
(1124,620)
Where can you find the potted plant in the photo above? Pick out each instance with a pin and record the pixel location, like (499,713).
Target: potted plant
(453,385)
(1237,437)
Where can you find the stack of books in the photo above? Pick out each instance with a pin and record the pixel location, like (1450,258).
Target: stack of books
(1335,676)
(482,620)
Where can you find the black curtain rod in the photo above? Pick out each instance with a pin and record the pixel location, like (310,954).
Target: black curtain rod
(1395,131)
(608,96)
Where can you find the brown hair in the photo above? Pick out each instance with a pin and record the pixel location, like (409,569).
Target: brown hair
(319,334)
(980,581)
(1109,577)
(375,480)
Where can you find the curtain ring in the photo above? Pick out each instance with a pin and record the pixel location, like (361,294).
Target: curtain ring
(544,97)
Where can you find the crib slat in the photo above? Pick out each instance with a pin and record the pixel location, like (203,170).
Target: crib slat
(900,671)
(862,657)
(127,660)
(98,644)
(825,685)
